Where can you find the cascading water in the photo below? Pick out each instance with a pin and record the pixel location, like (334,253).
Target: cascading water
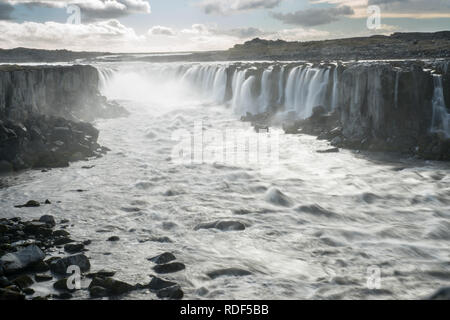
(441,117)
(252,90)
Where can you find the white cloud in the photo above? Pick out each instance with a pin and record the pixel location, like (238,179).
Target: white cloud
(235,6)
(160,30)
(427,9)
(94,9)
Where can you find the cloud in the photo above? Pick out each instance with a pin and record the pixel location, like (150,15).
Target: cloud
(224,7)
(105,35)
(426,9)
(92,10)
(314,16)
(160,30)
(5,11)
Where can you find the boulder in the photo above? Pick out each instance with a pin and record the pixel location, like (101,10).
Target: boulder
(22,259)
(169,268)
(112,287)
(230,272)
(157,284)
(74,247)
(163,258)
(48,219)
(60,266)
(172,293)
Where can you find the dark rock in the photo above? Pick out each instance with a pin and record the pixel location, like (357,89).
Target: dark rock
(169,268)
(37,229)
(61,233)
(6,294)
(29,204)
(173,293)
(101,274)
(49,220)
(23,281)
(222,225)
(61,285)
(62,241)
(47,202)
(17,261)
(158,284)
(113,239)
(63,296)
(4,282)
(112,286)
(98,292)
(60,266)
(74,248)
(42,277)
(230,272)
(28,291)
(166,257)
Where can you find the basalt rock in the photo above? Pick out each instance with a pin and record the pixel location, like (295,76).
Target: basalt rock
(41,114)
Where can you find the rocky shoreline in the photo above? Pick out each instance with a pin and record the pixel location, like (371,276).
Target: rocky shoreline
(42,252)
(45,113)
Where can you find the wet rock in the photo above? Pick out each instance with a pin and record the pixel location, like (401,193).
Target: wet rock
(17,261)
(113,287)
(230,272)
(63,296)
(157,284)
(23,281)
(101,274)
(441,294)
(48,220)
(172,293)
(29,204)
(61,233)
(37,229)
(74,247)
(62,285)
(47,202)
(60,266)
(169,268)
(278,198)
(166,257)
(28,291)
(62,241)
(6,294)
(4,282)
(113,239)
(98,292)
(222,225)
(42,277)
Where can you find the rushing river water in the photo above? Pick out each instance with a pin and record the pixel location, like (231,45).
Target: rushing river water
(319,226)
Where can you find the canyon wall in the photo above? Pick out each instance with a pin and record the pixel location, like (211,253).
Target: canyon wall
(42,109)
(381,105)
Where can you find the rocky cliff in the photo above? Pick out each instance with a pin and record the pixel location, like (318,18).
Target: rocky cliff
(42,110)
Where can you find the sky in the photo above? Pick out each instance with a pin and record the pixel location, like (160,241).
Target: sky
(198,25)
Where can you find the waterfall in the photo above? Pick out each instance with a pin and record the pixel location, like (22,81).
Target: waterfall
(265,99)
(254,89)
(441,117)
(397,81)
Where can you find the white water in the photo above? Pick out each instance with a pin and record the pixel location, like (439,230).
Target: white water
(316,224)
(441,117)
